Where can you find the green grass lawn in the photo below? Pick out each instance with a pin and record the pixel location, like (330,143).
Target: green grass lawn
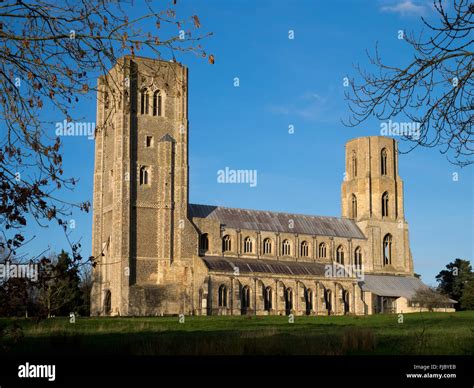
(420,333)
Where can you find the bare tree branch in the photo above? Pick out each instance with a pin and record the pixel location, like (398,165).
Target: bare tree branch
(435,90)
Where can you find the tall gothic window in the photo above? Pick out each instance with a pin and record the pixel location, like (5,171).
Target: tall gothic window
(286,248)
(354,206)
(288,300)
(328,299)
(304,249)
(157,103)
(107,302)
(385,204)
(245,298)
(387,249)
(354,164)
(340,254)
(144,175)
(226,243)
(267,246)
(383,162)
(248,245)
(222,299)
(144,102)
(267,298)
(308,298)
(204,242)
(106,100)
(358,257)
(322,250)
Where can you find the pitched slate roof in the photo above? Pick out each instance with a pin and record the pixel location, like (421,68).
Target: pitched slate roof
(246,266)
(388,285)
(278,222)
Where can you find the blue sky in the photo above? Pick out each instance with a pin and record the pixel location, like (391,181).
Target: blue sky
(295,82)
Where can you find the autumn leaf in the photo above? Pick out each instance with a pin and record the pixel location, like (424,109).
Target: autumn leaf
(197,24)
(211,59)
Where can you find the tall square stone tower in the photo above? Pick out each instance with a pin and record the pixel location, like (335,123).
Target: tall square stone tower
(140,207)
(372,195)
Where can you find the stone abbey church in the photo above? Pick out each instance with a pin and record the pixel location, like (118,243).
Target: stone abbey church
(158,254)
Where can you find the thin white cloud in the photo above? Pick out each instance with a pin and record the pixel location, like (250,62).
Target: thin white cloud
(405,8)
(310,106)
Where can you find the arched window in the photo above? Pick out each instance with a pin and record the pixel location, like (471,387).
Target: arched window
(204,242)
(157,103)
(340,254)
(222,302)
(106,100)
(126,99)
(144,175)
(345,301)
(248,245)
(387,249)
(288,300)
(353,206)
(383,161)
(245,299)
(267,298)
(144,102)
(322,250)
(286,248)
(267,246)
(107,302)
(385,204)
(308,298)
(354,164)
(358,257)
(328,300)
(304,249)
(226,243)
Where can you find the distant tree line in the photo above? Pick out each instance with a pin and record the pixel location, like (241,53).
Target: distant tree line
(59,288)
(457,282)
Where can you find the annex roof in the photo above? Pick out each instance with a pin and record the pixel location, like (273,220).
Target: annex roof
(389,285)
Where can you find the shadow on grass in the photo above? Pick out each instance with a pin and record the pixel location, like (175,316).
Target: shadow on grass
(443,335)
